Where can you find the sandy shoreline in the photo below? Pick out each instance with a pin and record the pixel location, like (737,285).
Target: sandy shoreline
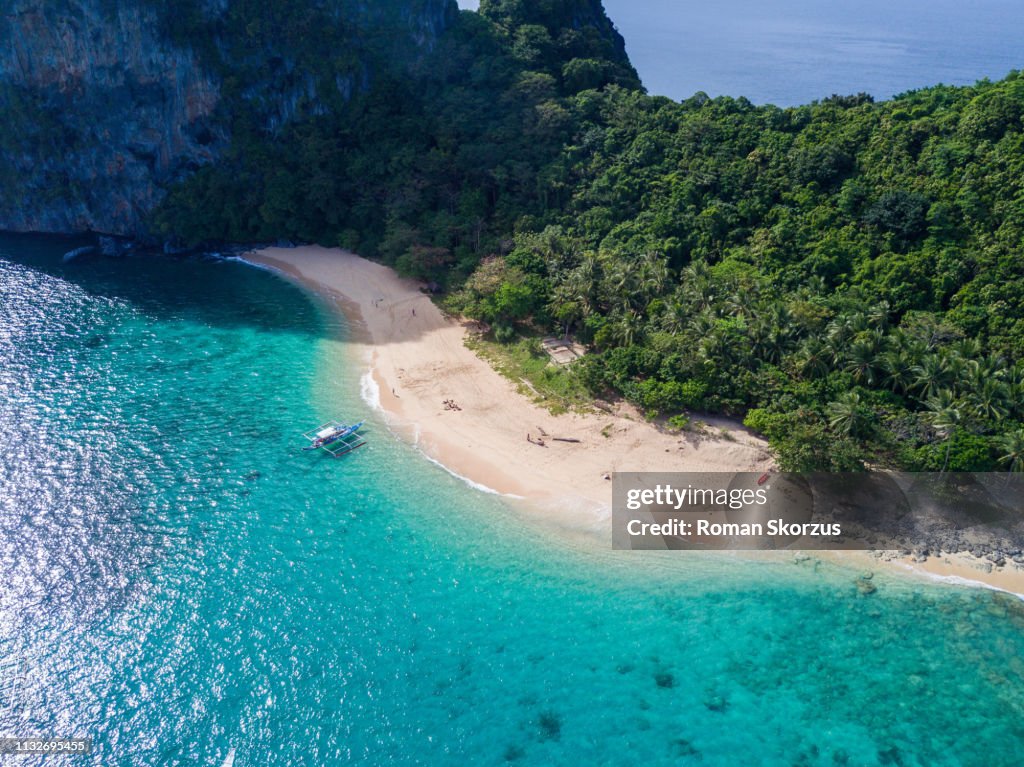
(418,359)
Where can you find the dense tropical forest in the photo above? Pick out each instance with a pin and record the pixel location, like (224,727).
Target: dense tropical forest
(846,276)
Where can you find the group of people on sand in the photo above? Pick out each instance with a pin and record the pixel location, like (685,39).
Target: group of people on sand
(539,441)
(450,404)
(378,301)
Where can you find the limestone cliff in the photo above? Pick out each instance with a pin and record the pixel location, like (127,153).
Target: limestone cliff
(105,102)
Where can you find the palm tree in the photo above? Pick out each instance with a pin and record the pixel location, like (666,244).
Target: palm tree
(695,280)
(718,347)
(783,319)
(1014,378)
(946,418)
(898,367)
(837,338)
(1011,445)
(858,322)
(764,340)
(813,359)
(957,369)
(628,327)
(931,376)
(812,287)
(863,361)
(989,401)
(995,365)
(737,305)
(703,323)
(654,274)
(915,349)
(675,318)
(622,283)
(968,348)
(563,304)
(972,377)
(847,415)
(580,285)
(577,291)
(878,314)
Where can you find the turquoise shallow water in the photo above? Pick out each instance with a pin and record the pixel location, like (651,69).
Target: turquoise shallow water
(179,578)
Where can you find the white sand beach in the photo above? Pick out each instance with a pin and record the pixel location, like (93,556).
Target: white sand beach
(418,359)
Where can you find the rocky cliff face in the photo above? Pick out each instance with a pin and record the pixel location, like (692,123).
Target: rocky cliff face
(105,102)
(103,110)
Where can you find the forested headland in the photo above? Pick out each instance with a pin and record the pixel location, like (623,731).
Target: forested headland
(846,276)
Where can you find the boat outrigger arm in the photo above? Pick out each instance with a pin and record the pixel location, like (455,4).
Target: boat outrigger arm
(335,438)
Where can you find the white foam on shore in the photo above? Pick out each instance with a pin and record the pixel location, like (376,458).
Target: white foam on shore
(475,485)
(257,265)
(369,391)
(957,580)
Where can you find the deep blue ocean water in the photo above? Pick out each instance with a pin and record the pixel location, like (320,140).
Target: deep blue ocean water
(790,52)
(177,577)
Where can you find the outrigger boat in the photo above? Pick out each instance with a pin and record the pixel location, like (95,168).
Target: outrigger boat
(335,438)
